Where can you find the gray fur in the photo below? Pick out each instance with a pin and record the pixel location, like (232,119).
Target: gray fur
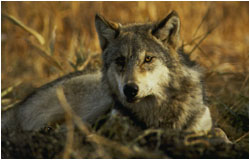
(84,92)
(170,91)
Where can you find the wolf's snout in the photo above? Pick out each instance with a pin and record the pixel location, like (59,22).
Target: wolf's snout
(130,90)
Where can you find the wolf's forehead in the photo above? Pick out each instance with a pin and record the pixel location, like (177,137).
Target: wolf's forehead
(132,43)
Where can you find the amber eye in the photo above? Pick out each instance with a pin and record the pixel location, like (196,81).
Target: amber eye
(120,61)
(148,59)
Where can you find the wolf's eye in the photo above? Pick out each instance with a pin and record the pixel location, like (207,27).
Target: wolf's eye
(148,59)
(120,61)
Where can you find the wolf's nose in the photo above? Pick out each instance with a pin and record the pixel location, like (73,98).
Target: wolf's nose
(130,90)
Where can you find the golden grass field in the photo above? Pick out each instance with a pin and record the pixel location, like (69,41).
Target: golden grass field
(215,34)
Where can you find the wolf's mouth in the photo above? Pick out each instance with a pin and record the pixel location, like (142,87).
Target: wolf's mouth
(132,100)
(138,99)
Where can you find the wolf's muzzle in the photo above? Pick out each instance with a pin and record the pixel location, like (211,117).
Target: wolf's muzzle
(130,90)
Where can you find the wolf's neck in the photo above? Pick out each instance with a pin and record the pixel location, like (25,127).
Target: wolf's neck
(127,112)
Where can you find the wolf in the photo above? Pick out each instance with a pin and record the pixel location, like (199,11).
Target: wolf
(144,71)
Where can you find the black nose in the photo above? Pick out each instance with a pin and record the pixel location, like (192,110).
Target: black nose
(130,90)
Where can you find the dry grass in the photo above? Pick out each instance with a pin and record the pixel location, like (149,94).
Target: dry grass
(42,41)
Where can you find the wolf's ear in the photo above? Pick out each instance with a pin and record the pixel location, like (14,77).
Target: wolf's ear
(167,30)
(107,30)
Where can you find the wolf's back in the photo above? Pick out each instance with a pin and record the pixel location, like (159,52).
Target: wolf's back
(85,94)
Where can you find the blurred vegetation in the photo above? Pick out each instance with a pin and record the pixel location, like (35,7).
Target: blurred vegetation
(42,41)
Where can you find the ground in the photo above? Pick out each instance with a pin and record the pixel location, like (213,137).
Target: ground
(117,137)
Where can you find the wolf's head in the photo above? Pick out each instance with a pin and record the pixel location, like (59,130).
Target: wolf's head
(138,58)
